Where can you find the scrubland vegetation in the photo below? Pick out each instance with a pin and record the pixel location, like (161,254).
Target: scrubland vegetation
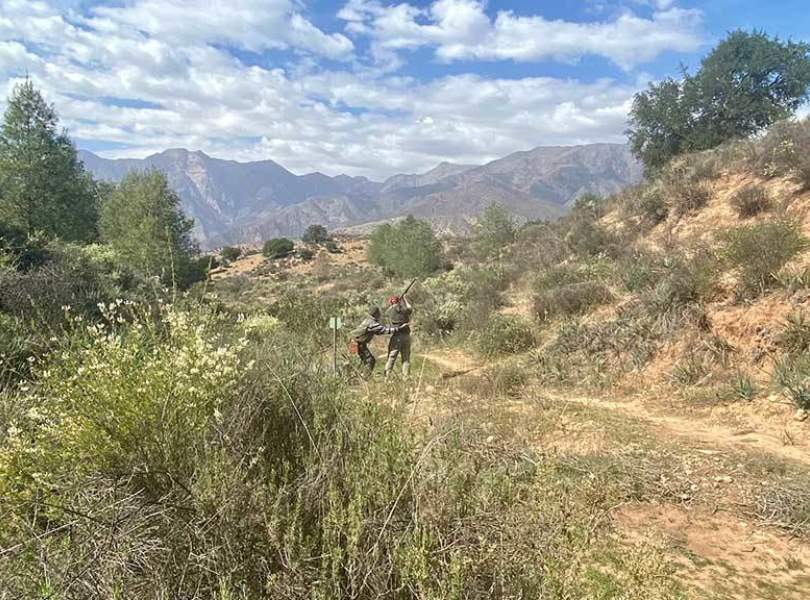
(165,435)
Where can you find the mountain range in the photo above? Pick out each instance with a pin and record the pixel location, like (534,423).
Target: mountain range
(233,202)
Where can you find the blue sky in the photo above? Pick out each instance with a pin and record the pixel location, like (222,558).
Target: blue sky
(364,87)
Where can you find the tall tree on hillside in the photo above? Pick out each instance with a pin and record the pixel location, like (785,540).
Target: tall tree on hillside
(142,219)
(494,230)
(748,82)
(43,185)
(407,249)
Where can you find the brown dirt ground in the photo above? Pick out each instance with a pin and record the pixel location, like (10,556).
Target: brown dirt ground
(718,551)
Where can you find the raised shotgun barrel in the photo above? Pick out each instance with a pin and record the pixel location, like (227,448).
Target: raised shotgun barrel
(407,289)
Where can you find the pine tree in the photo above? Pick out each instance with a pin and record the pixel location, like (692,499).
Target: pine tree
(43,186)
(142,219)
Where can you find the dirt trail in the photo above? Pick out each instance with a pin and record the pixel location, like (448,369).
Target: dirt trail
(696,429)
(719,550)
(693,428)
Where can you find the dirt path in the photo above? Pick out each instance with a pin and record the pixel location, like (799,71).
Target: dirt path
(720,550)
(697,430)
(693,429)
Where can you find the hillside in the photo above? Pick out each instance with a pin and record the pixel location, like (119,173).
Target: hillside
(649,354)
(235,202)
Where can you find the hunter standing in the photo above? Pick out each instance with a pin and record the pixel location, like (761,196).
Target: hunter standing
(399,315)
(365,332)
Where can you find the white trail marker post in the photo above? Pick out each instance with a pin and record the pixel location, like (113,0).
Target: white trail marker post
(335,323)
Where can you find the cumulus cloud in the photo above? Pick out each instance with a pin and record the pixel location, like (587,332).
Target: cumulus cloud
(461,30)
(147,75)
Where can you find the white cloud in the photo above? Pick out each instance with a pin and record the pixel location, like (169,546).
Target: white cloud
(253,25)
(196,94)
(461,30)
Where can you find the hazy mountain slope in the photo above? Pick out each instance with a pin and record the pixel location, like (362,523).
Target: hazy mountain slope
(435,175)
(558,175)
(234,202)
(220,194)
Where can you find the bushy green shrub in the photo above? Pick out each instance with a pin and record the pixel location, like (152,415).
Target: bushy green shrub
(571,299)
(652,206)
(760,251)
(406,249)
(459,300)
(597,354)
(305,254)
(792,374)
(641,271)
(17,345)
(588,238)
(795,337)
(539,245)
(505,334)
(79,277)
(278,248)
(21,251)
(750,201)
(685,279)
(560,275)
(230,253)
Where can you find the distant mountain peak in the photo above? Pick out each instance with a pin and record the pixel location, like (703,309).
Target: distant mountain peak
(241,202)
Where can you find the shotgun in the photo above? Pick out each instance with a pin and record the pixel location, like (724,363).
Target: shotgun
(407,289)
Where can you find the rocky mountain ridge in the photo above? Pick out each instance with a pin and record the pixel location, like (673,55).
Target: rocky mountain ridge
(233,202)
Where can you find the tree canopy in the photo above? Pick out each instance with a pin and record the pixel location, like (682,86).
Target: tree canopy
(315,234)
(142,219)
(278,248)
(43,186)
(407,249)
(748,82)
(494,230)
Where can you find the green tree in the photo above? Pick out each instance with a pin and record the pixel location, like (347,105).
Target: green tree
(407,249)
(231,253)
(494,230)
(748,82)
(315,234)
(278,248)
(142,219)
(43,185)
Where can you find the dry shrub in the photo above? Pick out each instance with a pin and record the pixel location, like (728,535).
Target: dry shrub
(685,196)
(645,204)
(572,299)
(506,334)
(750,201)
(761,250)
(784,150)
(685,279)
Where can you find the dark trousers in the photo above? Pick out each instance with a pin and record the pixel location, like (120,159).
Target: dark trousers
(399,346)
(366,356)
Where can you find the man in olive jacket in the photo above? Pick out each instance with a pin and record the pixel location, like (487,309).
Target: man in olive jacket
(365,332)
(399,315)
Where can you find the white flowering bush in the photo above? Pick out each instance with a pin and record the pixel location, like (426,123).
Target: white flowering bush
(123,397)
